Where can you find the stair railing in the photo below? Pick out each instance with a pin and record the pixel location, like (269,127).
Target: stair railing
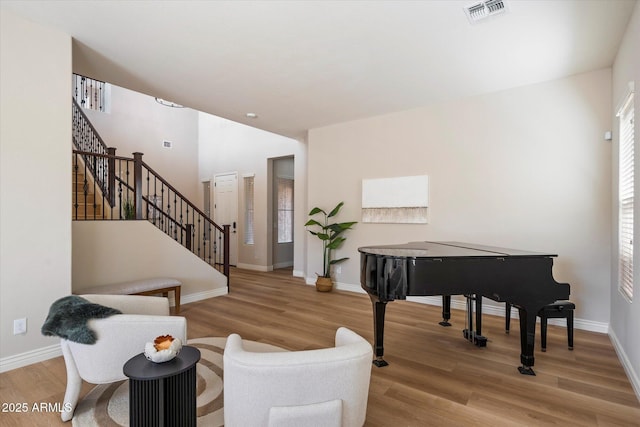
(87,139)
(139,193)
(160,203)
(111,187)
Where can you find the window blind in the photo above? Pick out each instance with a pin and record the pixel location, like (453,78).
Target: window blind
(625,197)
(285,210)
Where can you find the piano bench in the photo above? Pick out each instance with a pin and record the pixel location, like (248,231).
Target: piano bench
(557,310)
(160,285)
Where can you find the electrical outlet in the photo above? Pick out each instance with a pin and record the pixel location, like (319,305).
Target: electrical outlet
(338,269)
(20,326)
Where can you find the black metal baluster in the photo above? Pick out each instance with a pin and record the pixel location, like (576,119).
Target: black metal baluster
(85,190)
(95,203)
(175,217)
(83,91)
(163,220)
(150,208)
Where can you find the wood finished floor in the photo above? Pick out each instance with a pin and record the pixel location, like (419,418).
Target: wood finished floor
(434,377)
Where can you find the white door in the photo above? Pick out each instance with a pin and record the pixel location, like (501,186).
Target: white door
(225,209)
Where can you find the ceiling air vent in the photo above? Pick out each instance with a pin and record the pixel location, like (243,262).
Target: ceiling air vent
(479,11)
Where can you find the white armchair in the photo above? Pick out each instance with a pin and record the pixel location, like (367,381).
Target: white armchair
(119,338)
(325,387)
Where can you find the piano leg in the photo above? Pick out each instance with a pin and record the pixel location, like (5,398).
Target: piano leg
(379,308)
(446,310)
(527,340)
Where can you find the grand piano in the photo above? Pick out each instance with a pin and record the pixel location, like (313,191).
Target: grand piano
(523,279)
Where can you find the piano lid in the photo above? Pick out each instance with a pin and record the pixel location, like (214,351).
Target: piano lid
(447,250)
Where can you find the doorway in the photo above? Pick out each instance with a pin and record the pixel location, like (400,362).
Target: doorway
(283,185)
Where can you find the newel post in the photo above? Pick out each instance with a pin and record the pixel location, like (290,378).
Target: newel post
(137,182)
(111,178)
(225,255)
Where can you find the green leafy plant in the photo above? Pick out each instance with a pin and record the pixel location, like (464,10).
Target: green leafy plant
(128,210)
(329,234)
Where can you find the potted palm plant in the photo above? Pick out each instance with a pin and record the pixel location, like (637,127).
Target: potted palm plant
(331,236)
(128,209)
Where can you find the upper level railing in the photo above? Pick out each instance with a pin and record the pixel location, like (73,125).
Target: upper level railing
(111,187)
(91,93)
(87,139)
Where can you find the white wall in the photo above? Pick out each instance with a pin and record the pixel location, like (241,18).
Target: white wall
(227,146)
(625,316)
(107,252)
(35,172)
(526,168)
(522,168)
(138,123)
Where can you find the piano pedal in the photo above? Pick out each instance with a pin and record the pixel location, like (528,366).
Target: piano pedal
(444,323)
(478,340)
(526,370)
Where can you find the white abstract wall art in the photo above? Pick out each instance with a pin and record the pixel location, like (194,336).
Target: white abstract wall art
(400,200)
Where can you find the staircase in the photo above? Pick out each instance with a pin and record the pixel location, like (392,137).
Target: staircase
(85,204)
(110,187)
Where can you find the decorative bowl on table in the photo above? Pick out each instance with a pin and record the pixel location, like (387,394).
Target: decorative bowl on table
(163,349)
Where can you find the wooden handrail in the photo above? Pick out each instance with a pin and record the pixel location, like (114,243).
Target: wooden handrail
(90,125)
(172,188)
(199,233)
(123,176)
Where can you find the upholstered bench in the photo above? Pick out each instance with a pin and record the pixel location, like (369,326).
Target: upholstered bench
(557,310)
(161,285)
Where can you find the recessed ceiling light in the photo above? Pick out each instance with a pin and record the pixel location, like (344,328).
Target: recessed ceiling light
(252,115)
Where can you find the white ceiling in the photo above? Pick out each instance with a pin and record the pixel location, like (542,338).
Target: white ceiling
(306,64)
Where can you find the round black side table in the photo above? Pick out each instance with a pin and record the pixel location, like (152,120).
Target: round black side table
(163,394)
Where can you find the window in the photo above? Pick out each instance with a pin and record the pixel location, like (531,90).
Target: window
(248,210)
(625,196)
(91,94)
(285,210)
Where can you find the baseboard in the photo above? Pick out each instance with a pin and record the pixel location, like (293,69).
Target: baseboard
(286,264)
(633,376)
(338,285)
(254,267)
(298,273)
(460,304)
(199,296)
(34,356)
(498,310)
(349,287)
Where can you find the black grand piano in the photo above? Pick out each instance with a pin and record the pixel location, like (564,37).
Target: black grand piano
(523,279)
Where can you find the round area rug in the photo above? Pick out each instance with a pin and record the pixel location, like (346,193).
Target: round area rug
(107,405)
